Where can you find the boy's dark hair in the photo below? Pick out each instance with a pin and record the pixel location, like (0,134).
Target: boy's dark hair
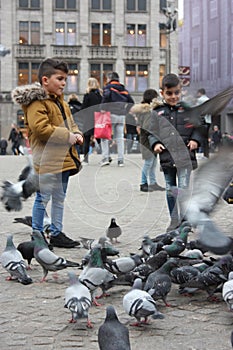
(49,67)
(170,80)
(201,91)
(149,95)
(113,76)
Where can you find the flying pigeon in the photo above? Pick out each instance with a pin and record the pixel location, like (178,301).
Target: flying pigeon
(209,183)
(213,106)
(95,275)
(138,303)
(113,231)
(28,183)
(12,261)
(77,299)
(112,334)
(227,291)
(46,258)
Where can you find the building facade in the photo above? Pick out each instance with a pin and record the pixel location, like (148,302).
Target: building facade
(206,47)
(93,36)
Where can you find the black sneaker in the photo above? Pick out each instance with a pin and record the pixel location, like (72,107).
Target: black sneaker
(62,241)
(156,187)
(145,188)
(120,163)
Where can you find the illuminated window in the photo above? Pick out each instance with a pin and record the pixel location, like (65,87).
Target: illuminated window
(136,35)
(162,72)
(65,33)
(136,77)
(27,72)
(136,5)
(29,33)
(163,40)
(99,71)
(101,5)
(72,79)
(101,34)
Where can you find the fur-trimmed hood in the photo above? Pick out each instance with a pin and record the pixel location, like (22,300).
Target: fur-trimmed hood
(141,108)
(25,94)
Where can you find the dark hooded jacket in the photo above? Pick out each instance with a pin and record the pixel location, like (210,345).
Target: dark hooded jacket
(169,127)
(117,97)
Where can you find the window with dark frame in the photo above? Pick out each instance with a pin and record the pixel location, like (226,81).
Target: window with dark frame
(101,34)
(101,5)
(33,4)
(136,5)
(65,4)
(136,77)
(100,70)
(27,72)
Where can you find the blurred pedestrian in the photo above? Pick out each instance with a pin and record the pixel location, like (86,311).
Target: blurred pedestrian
(13,137)
(91,103)
(118,102)
(201,98)
(216,138)
(3,146)
(143,113)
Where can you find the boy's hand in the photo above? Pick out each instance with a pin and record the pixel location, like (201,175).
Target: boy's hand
(192,145)
(75,138)
(158,148)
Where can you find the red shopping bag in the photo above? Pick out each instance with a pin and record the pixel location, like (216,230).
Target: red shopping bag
(103,125)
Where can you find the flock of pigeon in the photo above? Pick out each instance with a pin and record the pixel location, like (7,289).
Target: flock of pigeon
(169,258)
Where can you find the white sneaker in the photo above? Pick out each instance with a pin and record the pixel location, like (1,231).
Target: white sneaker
(104,162)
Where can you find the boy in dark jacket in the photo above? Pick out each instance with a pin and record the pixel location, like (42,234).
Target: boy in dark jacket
(175,142)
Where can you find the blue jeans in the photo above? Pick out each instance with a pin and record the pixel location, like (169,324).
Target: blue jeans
(172,177)
(118,122)
(148,171)
(57,193)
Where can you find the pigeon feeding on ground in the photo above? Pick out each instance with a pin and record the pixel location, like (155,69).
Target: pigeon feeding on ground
(227,291)
(210,182)
(113,231)
(112,334)
(179,243)
(138,303)
(12,261)
(123,264)
(28,183)
(158,283)
(95,275)
(46,258)
(77,299)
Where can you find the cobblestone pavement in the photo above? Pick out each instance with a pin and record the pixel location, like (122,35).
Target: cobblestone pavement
(34,317)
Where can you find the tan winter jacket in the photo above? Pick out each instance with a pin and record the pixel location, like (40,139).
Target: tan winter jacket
(47,132)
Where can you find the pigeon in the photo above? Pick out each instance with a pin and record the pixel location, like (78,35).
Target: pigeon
(113,231)
(212,277)
(210,181)
(149,247)
(179,243)
(213,106)
(27,220)
(123,264)
(27,251)
(77,299)
(158,283)
(95,275)
(227,291)
(46,258)
(12,261)
(138,303)
(28,183)
(112,334)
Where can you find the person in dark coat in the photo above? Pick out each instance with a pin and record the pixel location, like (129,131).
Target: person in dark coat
(91,103)
(75,107)
(13,137)
(3,146)
(175,142)
(216,138)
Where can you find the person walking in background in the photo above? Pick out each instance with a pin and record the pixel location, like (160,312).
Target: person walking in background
(91,103)
(175,143)
(216,138)
(75,107)
(143,113)
(201,98)
(52,135)
(3,146)
(118,102)
(13,137)
(130,132)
